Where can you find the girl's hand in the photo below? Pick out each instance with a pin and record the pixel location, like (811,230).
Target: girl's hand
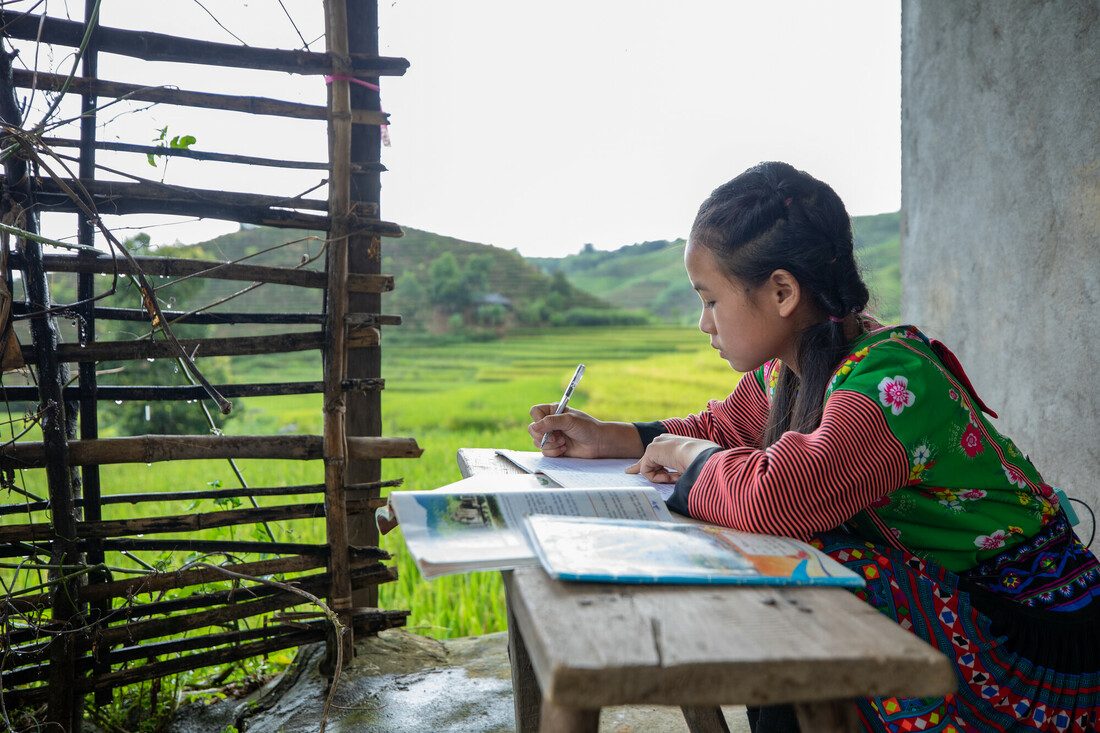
(668,456)
(579,435)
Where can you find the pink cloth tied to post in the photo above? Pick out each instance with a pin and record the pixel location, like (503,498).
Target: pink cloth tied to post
(385,129)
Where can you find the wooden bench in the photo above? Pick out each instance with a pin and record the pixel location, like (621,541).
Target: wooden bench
(578,647)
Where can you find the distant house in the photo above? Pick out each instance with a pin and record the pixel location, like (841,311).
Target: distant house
(493,299)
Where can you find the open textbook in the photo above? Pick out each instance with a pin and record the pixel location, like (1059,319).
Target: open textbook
(581,472)
(615,551)
(477,523)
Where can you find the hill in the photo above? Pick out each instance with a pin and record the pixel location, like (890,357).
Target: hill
(443,283)
(651,274)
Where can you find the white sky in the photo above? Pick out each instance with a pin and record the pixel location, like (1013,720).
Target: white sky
(545,126)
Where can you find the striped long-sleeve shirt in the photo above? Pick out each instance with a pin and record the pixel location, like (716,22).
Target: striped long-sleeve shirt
(903,455)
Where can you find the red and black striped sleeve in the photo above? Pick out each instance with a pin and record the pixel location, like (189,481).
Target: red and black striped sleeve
(803,483)
(738,420)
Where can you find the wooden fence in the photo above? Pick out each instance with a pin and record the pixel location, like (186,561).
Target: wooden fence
(89,628)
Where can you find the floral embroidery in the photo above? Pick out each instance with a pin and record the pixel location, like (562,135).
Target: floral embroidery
(1015,530)
(953,395)
(894,393)
(992,541)
(972,494)
(909,333)
(922,464)
(771,377)
(1015,477)
(881,502)
(850,362)
(972,441)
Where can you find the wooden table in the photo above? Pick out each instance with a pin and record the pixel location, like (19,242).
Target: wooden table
(577,647)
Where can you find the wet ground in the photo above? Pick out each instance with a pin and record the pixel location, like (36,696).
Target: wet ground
(405,683)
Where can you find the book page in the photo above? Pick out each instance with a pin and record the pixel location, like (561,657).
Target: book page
(449,532)
(582,472)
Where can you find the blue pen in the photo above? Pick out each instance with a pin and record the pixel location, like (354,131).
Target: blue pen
(565,398)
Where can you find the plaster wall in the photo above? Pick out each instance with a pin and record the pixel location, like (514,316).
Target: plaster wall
(1000,218)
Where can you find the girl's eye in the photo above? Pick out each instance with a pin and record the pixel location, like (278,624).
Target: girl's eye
(708,303)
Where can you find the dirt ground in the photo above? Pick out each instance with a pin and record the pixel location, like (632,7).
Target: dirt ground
(404,683)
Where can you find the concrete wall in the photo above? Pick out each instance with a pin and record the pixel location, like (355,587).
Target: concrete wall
(1000,219)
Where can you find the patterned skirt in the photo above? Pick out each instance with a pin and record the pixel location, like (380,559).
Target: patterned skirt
(1019,669)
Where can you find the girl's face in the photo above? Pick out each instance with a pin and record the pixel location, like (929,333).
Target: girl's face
(748,326)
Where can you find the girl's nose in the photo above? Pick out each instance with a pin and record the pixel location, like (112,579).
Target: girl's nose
(705,322)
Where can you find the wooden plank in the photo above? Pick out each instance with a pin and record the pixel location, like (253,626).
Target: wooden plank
(558,719)
(163,47)
(598,644)
(58,142)
(339,650)
(835,717)
(155,448)
(185,98)
(707,720)
(213,269)
(526,695)
(202,347)
(150,393)
(183,578)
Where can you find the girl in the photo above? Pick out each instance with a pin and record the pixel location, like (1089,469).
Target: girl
(870,442)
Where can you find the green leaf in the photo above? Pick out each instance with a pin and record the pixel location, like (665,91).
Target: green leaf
(182,142)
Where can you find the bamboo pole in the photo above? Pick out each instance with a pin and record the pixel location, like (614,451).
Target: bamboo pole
(232,346)
(150,393)
(369,490)
(364,409)
(232,547)
(88,381)
(169,95)
(212,269)
(64,704)
(339,115)
(196,522)
(147,190)
(220,317)
(178,623)
(157,670)
(61,142)
(157,448)
(183,578)
(162,47)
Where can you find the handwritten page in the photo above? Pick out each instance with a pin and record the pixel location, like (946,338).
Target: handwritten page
(584,472)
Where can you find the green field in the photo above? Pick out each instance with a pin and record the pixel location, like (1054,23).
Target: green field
(446,397)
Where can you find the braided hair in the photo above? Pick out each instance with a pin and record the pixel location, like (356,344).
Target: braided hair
(775,217)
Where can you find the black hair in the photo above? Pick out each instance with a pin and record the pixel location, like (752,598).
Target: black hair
(776,217)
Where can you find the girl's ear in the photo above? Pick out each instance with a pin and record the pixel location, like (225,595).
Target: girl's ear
(784,293)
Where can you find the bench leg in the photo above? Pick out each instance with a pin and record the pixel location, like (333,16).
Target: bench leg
(558,719)
(831,716)
(705,720)
(526,695)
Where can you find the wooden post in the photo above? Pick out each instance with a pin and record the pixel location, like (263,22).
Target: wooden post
(88,405)
(65,704)
(364,416)
(335,351)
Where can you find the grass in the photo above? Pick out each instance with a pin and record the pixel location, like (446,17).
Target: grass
(447,397)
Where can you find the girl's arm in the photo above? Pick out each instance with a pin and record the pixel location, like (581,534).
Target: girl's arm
(738,420)
(804,483)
